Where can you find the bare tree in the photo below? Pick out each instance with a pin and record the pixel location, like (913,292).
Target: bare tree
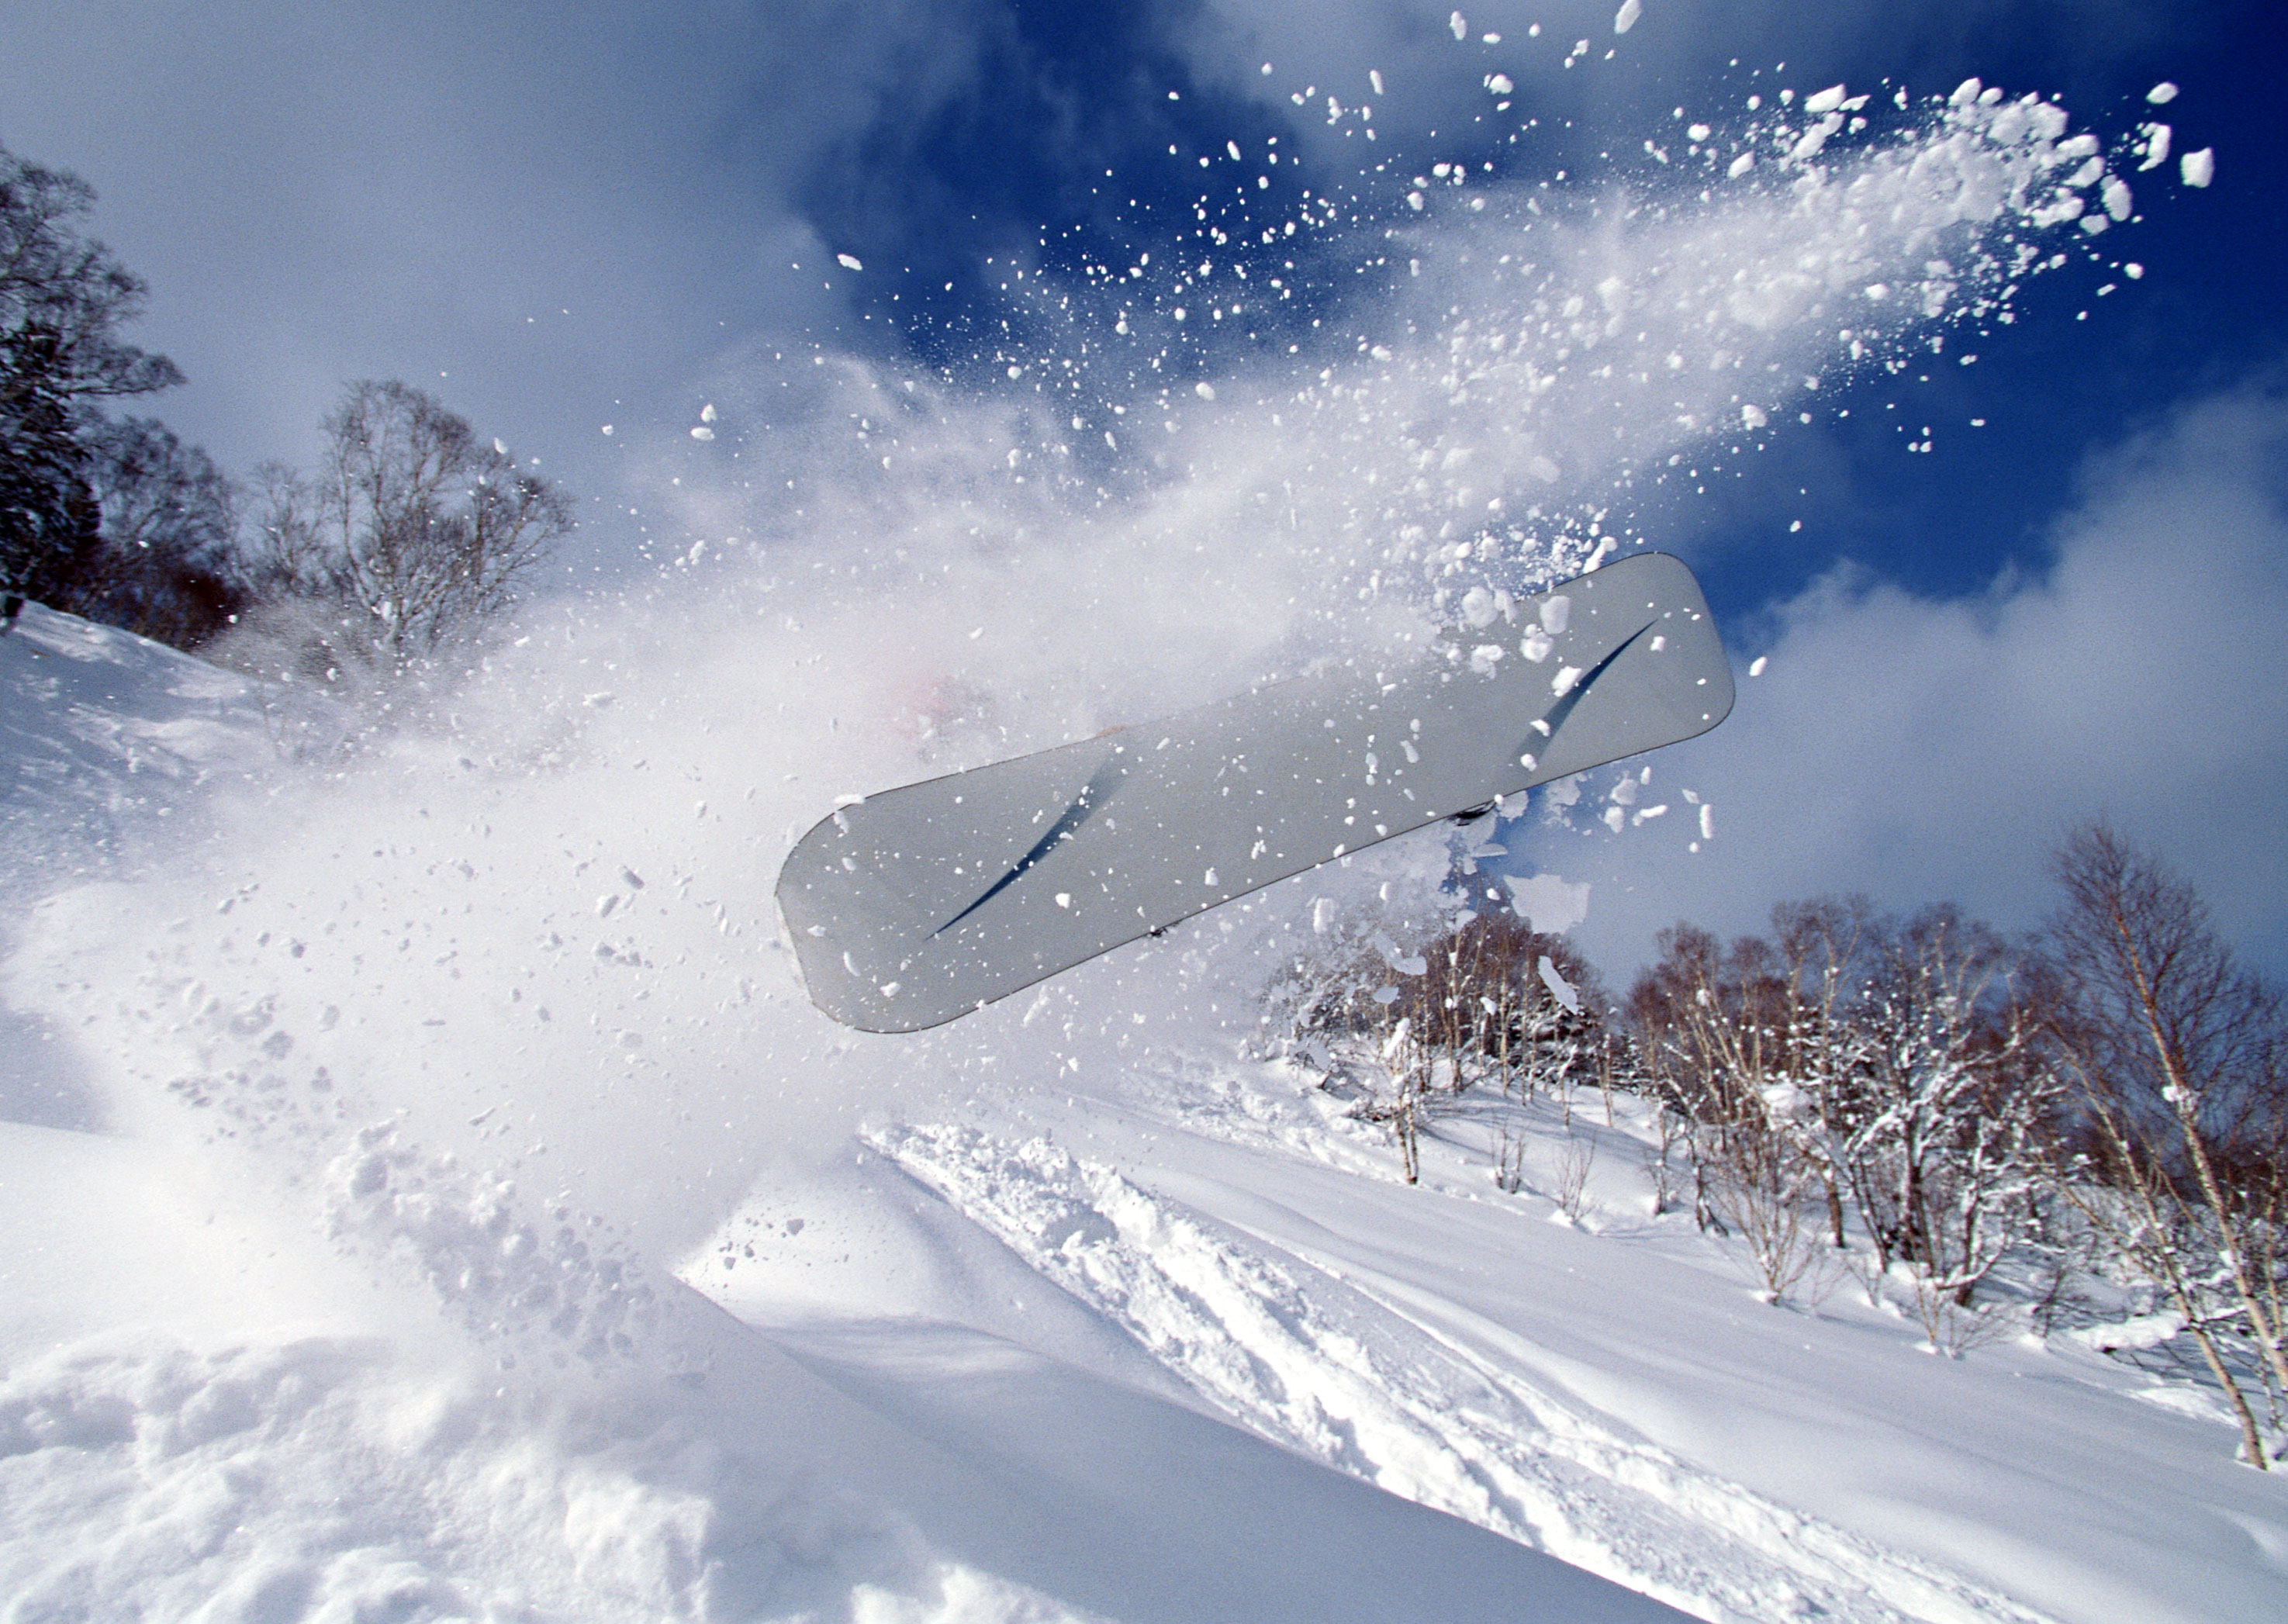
(411,530)
(1821,946)
(1714,1029)
(2176,1059)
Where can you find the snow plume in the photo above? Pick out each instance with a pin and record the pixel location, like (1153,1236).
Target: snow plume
(1543,369)
(508,984)
(494,1003)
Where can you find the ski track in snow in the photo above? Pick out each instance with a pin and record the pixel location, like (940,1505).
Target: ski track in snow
(1340,1370)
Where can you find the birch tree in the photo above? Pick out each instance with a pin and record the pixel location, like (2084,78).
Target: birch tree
(2178,1061)
(411,530)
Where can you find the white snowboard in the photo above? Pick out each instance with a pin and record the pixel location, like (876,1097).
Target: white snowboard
(920,904)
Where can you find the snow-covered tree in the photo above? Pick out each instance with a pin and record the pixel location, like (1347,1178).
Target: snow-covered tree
(1484,999)
(1946,1123)
(1852,1055)
(1719,1032)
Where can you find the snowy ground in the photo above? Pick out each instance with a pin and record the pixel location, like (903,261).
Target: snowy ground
(1076,1312)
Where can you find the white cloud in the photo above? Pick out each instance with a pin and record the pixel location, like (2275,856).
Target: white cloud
(555,212)
(1923,751)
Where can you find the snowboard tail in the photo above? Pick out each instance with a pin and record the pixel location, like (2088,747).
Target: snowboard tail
(923,903)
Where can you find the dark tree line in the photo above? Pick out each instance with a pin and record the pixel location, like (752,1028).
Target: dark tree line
(113,519)
(410,532)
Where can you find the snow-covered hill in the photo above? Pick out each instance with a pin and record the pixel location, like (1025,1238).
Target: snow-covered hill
(482,1225)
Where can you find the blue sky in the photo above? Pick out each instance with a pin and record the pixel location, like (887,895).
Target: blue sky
(561,215)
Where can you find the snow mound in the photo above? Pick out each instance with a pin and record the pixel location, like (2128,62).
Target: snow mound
(325,1478)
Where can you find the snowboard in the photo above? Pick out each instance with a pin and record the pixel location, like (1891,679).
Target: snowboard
(920,904)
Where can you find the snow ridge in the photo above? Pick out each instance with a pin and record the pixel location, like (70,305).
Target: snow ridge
(1328,1367)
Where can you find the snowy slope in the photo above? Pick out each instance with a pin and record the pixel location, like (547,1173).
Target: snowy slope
(1619,1397)
(179,1431)
(391,1294)
(1163,1338)
(101,730)
(100,734)
(223,1401)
